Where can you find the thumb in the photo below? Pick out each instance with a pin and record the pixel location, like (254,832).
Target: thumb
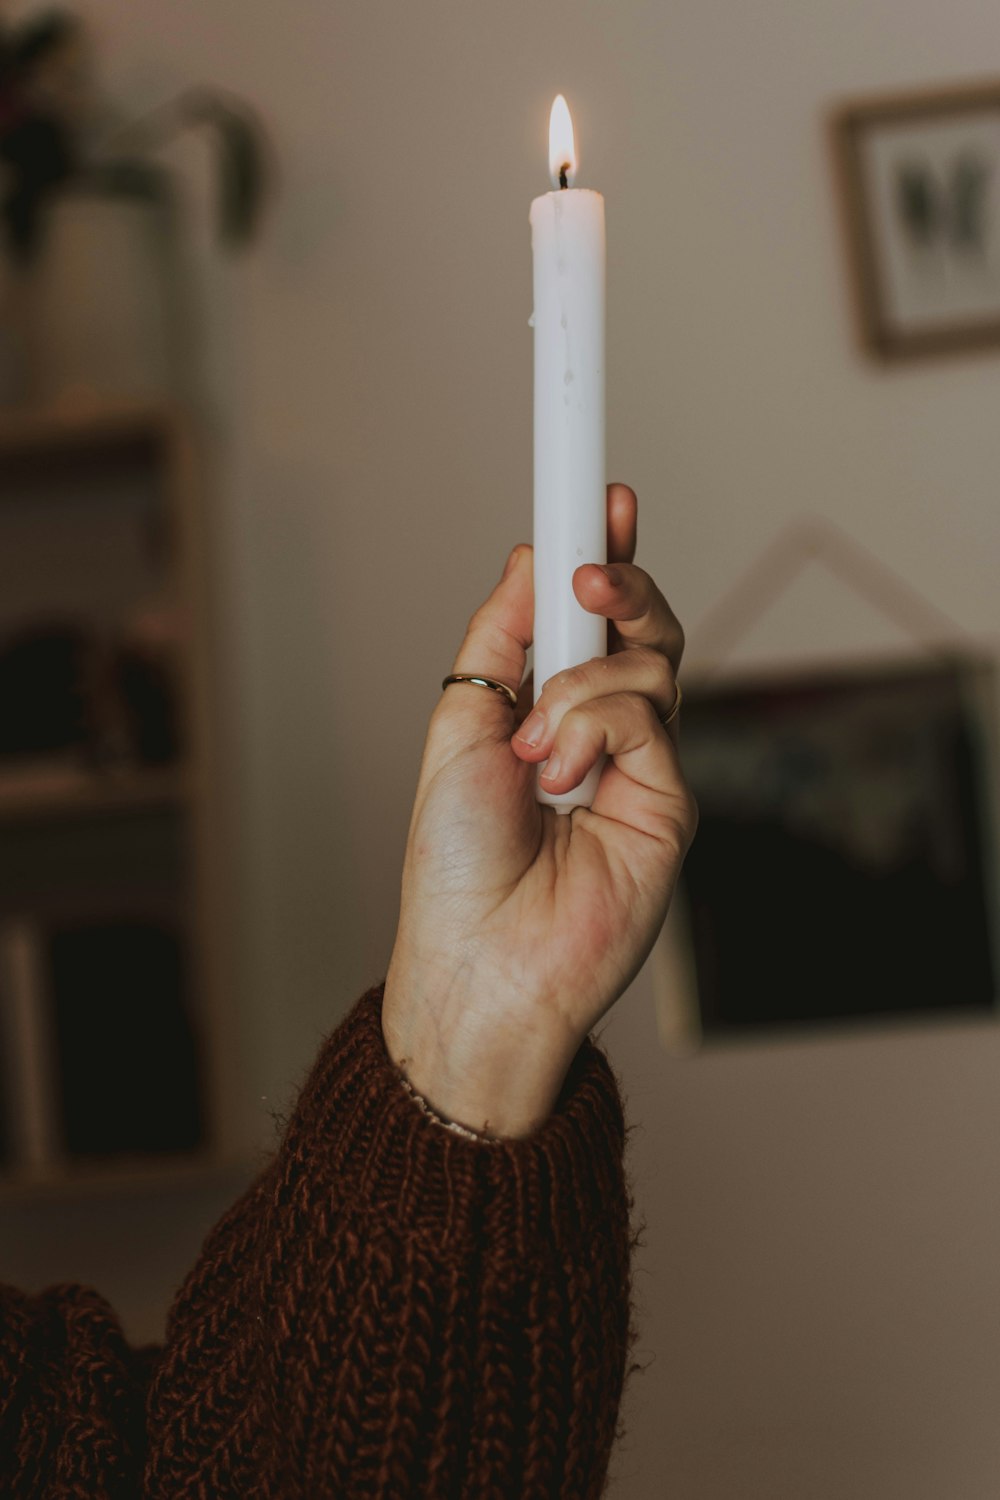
(496,645)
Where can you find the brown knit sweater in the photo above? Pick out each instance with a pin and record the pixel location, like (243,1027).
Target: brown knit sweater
(391,1309)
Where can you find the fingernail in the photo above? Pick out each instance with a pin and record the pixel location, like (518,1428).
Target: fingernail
(511,562)
(551,771)
(612,575)
(532,729)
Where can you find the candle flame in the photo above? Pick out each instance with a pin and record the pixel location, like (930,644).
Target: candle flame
(562,149)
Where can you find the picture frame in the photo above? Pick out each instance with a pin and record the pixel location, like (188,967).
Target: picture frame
(919,182)
(845,869)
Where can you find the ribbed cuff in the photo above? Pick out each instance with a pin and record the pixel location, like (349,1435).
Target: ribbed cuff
(373,1146)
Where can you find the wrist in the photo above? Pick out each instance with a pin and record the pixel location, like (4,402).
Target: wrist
(500,1077)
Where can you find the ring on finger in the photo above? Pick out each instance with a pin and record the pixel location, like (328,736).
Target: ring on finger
(669,718)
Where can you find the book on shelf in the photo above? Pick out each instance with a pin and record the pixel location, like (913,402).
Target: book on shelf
(100,1054)
(127,1059)
(31,1132)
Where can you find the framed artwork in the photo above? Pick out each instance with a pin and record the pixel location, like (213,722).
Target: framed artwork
(844,864)
(920,183)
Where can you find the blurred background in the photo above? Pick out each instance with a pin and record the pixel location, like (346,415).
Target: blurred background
(265,444)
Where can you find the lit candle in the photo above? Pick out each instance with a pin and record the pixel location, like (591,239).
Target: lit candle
(570,522)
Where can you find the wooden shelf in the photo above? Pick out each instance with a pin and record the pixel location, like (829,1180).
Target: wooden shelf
(83,424)
(42,793)
(85,843)
(51,444)
(121,1175)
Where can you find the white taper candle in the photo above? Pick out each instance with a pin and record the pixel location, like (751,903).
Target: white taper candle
(570,512)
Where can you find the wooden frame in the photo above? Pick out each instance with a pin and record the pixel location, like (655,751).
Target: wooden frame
(873,243)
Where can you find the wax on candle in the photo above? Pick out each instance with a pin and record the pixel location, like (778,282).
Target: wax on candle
(570,511)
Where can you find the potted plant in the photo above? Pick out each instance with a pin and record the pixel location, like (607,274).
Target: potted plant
(91,225)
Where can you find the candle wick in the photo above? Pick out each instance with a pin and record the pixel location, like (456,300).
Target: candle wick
(563,179)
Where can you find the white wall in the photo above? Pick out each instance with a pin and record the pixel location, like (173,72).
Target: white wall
(819,1275)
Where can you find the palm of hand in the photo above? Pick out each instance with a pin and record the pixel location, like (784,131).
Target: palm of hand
(554,912)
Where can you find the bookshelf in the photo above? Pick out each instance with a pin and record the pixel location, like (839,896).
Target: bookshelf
(117,1026)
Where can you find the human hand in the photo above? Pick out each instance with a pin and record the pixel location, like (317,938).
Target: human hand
(519,926)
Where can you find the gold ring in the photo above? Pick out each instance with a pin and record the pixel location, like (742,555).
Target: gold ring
(668,718)
(498,687)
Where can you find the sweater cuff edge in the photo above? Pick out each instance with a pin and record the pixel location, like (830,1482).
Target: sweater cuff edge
(392,1151)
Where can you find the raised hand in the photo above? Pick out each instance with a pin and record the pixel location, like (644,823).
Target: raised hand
(520,927)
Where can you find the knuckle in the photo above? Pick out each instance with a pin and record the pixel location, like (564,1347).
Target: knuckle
(646,657)
(579,725)
(571,681)
(659,666)
(570,718)
(564,689)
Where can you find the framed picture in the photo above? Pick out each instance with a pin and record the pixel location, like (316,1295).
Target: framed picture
(920,182)
(843,869)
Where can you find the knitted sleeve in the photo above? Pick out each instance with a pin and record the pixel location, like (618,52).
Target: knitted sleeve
(393,1309)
